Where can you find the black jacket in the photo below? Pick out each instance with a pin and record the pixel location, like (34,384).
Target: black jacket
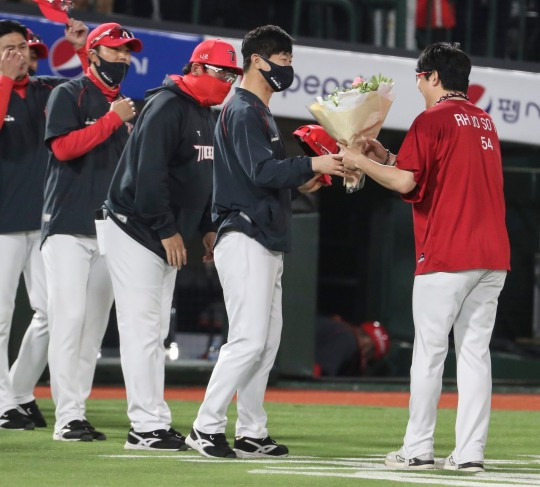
(23,157)
(163,183)
(252,175)
(76,188)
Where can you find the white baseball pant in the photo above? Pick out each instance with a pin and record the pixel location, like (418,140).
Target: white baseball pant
(80,299)
(20,255)
(466,301)
(143,288)
(250,276)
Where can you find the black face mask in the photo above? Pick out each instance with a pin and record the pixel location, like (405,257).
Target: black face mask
(112,73)
(279,77)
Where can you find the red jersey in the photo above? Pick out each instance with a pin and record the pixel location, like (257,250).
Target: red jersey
(458,204)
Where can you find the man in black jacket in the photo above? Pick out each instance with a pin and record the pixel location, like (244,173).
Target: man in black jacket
(159,196)
(253,182)
(23,160)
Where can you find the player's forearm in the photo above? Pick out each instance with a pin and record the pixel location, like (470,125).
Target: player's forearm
(79,142)
(6,86)
(389,177)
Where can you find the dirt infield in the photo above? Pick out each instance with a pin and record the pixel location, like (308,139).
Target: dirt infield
(523,402)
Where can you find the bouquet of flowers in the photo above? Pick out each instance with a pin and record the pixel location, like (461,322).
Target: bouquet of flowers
(351,115)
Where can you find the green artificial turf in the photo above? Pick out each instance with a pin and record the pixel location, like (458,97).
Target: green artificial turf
(329,445)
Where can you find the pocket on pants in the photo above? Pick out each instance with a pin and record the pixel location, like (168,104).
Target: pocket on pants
(100,230)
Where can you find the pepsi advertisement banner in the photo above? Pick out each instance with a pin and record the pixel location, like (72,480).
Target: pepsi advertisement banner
(163,53)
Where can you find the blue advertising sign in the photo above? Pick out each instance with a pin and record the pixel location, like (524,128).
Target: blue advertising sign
(163,53)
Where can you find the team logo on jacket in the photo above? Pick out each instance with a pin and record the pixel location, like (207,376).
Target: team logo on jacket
(9,118)
(63,59)
(204,152)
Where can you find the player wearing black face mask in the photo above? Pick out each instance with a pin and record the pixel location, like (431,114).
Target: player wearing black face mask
(86,131)
(253,185)
(278,77)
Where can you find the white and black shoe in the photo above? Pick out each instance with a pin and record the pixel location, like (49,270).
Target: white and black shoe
(475,467)
(246,447)
(161,440)
(210,445)
(31,410)
(15,420)
(75,430)
(397,460)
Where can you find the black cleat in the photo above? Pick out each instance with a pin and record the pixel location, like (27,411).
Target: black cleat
(161,440)
(73,431)
(212,446)
(15,420)
(180,438)
(33,413)
(246,447)
(96,435)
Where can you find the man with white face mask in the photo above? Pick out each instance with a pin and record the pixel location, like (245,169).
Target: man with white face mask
(160,195)
(86,131)
(253,182)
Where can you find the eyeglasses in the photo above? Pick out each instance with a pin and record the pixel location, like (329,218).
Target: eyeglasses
(223,73)
(113,33)
(423,73)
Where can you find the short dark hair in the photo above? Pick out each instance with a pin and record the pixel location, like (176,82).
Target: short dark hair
(187,68)
(452,64)
(10,26)
(266,41)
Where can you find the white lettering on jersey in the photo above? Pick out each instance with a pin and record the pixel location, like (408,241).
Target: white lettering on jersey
(198,132)
(483,123)
(205,152)
(462,119)
(275,138)
(9,118)
(90,121)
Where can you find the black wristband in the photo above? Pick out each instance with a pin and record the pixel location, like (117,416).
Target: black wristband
(388,154)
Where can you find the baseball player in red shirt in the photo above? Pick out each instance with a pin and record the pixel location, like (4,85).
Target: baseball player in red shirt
(449,167)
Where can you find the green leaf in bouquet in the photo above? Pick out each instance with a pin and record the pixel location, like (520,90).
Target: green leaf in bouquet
(362,87)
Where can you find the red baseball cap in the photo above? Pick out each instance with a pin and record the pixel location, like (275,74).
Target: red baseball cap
(55,10)
(216,52)
(316,142)
(379,337)
(112,35)
(35,42)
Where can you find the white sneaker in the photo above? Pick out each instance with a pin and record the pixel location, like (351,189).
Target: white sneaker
(475,467)
(396,459)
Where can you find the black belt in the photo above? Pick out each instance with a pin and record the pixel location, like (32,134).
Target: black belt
(102,213)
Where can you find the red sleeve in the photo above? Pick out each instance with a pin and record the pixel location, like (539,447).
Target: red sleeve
(6,85)
(75,144)
(416,155)
(83,56)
